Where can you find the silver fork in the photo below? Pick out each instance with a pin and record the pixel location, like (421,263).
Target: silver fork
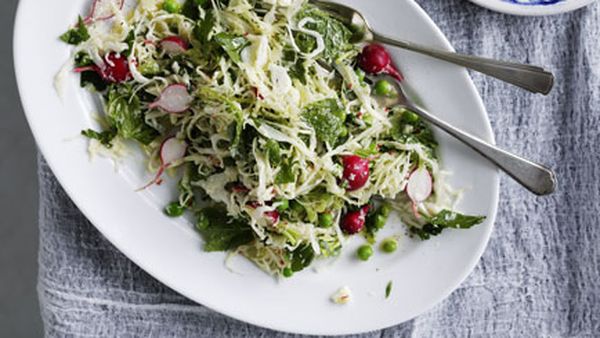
(531,78)
(533,176)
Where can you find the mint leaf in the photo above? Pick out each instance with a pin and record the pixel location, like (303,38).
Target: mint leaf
(336,35)
(446,219)
(220,231)
(302,257)
(76,35)
(325,117)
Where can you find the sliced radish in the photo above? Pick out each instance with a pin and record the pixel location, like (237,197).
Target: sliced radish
(419,185)
(174,45)
(103,10)
(171,150)
(174,99)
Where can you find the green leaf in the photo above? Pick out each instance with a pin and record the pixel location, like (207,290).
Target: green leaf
(336,35)
(222,232)
(92,79)
(125,114)
(388,289)
(446,219)
(83,59)
(367,152)
(190,8)
(302,257)
(104,137)
(325,118)
(232,45)
(204,27)
(76,35)
(129,41)
(273,152)
(286,174)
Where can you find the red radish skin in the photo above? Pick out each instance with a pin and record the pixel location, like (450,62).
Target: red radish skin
(173,99)
(272,216)
(374,59)
(419,186)
(96,14)
(354,221)
(174,45)
(171,150)
(115,69)
(356,171)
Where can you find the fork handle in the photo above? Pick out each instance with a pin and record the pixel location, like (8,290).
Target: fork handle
(533,176)
(531,78)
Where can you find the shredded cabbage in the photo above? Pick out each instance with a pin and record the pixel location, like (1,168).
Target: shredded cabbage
(276,108)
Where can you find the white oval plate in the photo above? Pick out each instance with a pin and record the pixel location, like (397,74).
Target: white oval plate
(423,273)
(533,7)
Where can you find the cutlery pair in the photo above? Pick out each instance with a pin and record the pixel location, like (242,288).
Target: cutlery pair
(533,176)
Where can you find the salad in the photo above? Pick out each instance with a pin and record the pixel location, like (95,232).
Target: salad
(270,118)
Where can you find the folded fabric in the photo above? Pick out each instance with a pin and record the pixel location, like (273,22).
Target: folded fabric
(538,277)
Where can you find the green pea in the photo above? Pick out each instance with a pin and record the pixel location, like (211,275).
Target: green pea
(409,117)
(174,209)
(343,132)
(285,204)
(380,221)
(287,272)
(325,220)
(364,252)
(384,88)
(171,6)
(341,114)
(389,245)
(385,210)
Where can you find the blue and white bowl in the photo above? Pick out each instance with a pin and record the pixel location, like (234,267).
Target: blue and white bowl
(533,7)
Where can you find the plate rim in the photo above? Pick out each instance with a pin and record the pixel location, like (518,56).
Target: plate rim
(532,10)
(147,267)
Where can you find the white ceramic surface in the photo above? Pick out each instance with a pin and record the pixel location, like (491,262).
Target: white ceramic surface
(533,7)
(423,273)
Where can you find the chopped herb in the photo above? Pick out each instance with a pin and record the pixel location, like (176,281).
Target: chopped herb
(91,79)
(82,59)
(273,152)
(104,137)
(232,45)
(76,35)
(388,289)
(286,174)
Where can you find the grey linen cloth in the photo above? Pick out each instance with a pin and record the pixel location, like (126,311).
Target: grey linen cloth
(538,277)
